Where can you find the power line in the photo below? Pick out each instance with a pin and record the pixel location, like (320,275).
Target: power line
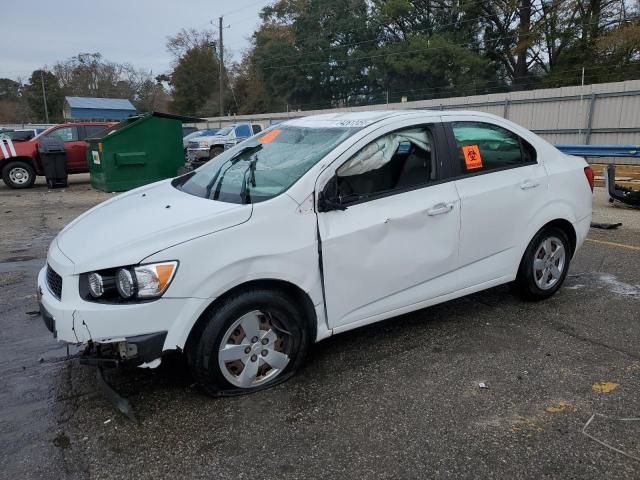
(446,91)
(445,8)
(514,36)
(240,9)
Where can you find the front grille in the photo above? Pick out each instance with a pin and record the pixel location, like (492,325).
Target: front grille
(54,282)
(193,145)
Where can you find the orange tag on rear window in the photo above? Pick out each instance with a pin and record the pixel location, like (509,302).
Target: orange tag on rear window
(270,136)
(472,158)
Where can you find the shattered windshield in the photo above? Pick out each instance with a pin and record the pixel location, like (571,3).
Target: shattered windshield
(263,166)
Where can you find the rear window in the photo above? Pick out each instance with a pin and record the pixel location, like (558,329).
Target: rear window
(95,131)
(486,147)
(243,131)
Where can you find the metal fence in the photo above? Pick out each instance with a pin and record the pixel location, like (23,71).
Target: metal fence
(604,113)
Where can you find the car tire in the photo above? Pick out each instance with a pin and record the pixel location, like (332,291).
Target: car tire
(18,174)
(251,341)
(544,265)
(215,151)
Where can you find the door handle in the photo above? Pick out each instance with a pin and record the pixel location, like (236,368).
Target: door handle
(440,208)
(529,184)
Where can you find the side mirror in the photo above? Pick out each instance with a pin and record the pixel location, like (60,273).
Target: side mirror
(328,204)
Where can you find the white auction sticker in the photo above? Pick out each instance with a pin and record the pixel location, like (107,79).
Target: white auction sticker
(96,157)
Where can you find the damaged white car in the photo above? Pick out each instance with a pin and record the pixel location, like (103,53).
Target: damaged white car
(313,227)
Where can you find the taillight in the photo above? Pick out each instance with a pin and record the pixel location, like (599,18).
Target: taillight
(588,172)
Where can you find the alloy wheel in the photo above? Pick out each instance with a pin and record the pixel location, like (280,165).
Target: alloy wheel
(549,262)
(254,350)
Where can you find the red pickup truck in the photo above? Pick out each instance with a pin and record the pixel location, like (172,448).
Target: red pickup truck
(20,161)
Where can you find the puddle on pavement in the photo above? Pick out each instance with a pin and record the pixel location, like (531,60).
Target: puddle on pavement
(16,264)
(602,280)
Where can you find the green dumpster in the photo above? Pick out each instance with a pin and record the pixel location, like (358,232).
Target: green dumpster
(137,151)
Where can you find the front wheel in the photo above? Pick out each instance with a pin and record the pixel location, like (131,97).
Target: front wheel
(544,265)
(250,342)
(18,174)
(215,151)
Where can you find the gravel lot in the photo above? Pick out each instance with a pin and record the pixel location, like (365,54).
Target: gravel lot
(399,399)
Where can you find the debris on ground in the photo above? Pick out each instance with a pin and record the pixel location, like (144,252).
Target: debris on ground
(604,387)
(603,443)
(606,226)
(558,407)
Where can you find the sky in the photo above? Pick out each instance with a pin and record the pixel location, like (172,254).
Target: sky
(41,32)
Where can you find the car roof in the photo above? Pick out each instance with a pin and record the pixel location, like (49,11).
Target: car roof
(377,115)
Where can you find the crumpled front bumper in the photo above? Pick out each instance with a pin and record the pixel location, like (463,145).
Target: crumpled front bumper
(198,153)
(136,332)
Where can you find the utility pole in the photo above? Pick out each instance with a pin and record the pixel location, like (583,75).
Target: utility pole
(44,98)
(221,70)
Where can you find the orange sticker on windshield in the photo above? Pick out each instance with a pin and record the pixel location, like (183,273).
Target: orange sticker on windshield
(472,158)
(269,136)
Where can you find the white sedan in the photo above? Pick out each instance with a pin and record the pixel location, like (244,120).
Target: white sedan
(313,227)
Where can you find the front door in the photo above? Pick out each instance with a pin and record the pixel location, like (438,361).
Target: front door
(396,244)
(74,148)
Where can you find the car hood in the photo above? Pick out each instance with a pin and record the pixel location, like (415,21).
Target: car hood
(130,227)
(14,148)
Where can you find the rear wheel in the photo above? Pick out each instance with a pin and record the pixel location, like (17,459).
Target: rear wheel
(544,265)
(18,174)
(252,341)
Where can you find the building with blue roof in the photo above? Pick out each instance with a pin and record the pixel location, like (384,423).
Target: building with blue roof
(90,108)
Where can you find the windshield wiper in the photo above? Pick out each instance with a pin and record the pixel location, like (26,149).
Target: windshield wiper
(248,149)
(234,159)
(251,170)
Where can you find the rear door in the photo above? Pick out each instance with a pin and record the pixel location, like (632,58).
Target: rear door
(501,186)
(396,243)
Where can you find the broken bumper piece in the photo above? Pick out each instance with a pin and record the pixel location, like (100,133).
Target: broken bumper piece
(617,192)
(142,325)
(140,350)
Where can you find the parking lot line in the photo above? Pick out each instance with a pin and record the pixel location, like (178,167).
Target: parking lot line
(614,244)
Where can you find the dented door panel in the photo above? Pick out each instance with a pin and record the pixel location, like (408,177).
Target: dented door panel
(388,253)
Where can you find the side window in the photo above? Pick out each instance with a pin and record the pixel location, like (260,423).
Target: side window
(396,161)
(94,131)
(484,147)
(243,131)
(67,134)
(256,128)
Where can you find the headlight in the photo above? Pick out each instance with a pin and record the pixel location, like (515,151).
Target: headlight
(139,282)
(96,285)
(152,280)
(125,283)
(204,143)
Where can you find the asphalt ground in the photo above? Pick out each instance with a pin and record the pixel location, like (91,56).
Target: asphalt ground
(399,399)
